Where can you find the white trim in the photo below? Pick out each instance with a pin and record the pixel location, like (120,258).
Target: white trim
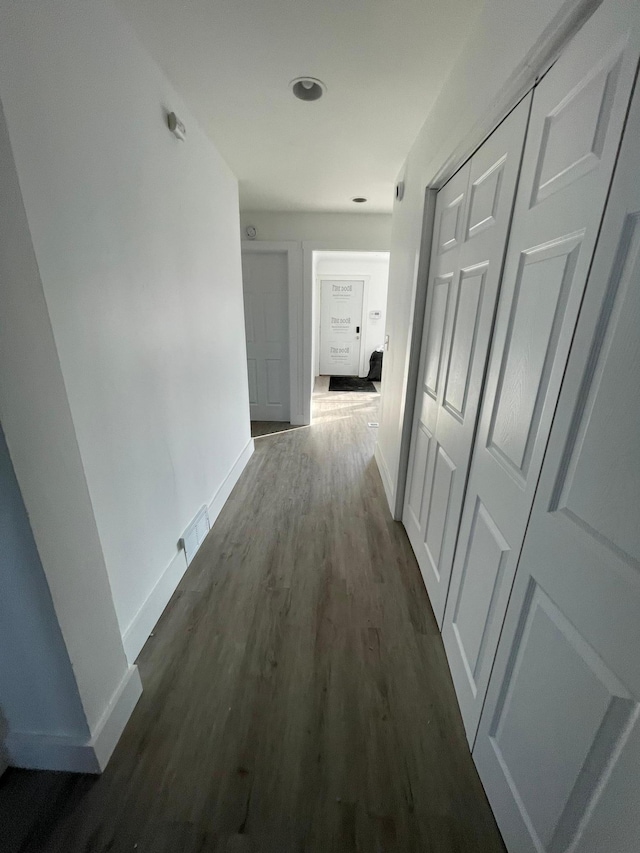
(384,475)
(416,356)
(74,754)
(137,634)
(221,496)
(145,619)
(366,281)
(309,309)
(115,718)
(294,275)
(561,29)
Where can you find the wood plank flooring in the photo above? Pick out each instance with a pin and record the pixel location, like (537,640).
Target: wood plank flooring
(296,693)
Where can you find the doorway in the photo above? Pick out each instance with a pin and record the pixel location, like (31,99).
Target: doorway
(341,303)
(266,307)
(350,301)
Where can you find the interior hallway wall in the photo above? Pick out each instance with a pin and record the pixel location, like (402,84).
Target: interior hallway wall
(123,387)
(37,424)
(496,54)
(355,231)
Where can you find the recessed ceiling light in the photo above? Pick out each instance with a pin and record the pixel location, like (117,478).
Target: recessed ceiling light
(359,199)
(308,88)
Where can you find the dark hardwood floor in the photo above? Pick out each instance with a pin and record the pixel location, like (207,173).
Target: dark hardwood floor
(296,692)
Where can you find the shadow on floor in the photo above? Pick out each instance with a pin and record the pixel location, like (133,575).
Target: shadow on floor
(260,428)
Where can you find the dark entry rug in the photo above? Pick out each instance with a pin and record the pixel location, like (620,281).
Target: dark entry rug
(351,383)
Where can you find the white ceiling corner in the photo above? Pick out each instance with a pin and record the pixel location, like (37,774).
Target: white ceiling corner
(383,64)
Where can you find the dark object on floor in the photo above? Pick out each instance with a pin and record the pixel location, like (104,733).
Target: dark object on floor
(351,383)
(260,428)
(375,367)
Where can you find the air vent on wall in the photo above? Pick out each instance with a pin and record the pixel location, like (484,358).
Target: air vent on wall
(195,533)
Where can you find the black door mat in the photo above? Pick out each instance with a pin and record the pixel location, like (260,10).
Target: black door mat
(351,383)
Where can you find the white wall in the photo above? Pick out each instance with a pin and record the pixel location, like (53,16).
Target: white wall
(500,54)
(37,423)
(375,265)
(137,240)
(362,231)
(123,386)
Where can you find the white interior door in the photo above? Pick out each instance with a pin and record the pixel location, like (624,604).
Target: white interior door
(558,747)
(473,212)
(340,326)
(574,132)
(266,313)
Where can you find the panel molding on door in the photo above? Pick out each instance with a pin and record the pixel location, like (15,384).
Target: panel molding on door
(577,116)
(558,747)
(473,212)
(265,281)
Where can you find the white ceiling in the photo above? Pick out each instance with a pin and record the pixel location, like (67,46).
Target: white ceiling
(383,62)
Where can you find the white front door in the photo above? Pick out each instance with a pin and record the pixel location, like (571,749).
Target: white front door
(472,219)
(558,748)
(266,313)
(574,132)
(340,326)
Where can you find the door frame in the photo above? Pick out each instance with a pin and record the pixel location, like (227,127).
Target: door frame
(309,248)
(294,270)
(569,20)
(365,279)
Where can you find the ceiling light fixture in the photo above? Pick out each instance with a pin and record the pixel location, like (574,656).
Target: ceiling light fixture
(308,88)
(359,199)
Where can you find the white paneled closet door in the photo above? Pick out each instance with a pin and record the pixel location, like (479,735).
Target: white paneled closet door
(558,747)
(473,212)
(574,133)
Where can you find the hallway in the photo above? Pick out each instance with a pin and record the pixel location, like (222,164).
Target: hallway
(296,692)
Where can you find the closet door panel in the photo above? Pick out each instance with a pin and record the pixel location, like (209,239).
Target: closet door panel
(558,747)
(576,119)
(443,278)
(472,219)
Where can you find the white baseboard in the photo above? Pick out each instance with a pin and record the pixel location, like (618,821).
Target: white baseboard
(220,497)
(137,634)
(109,730)
(76,754)
(386,479)
(143,623)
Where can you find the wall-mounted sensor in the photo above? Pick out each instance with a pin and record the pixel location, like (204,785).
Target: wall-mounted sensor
(399,190)
(176,126)
(251,232)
